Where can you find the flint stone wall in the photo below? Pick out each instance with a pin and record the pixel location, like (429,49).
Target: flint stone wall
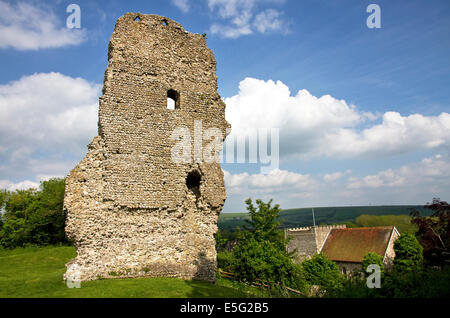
(309,240)
(129,210)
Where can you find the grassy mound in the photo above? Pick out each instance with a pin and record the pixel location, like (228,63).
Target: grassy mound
(37,272)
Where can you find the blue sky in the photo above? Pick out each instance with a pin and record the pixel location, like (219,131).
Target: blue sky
(370,125)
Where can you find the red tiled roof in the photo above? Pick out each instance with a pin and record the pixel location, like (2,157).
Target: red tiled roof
(350,245)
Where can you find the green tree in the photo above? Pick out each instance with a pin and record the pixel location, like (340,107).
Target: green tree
(261,249)
(408,253)
(3,198)
(372,258)
(221,240)
(4,194)
(263,260)
(434,232)
(34,216)
(426,283)
(49,215)
(264,224)
(225,260)
(18,202)
(323,272)
(14,233)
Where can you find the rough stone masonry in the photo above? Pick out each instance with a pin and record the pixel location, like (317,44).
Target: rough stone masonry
(131,210)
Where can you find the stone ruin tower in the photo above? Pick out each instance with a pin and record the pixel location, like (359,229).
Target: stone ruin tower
(131,210)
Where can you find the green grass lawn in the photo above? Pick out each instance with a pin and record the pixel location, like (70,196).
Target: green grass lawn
(37,272)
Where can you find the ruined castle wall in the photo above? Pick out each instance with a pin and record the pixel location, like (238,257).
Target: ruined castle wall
(129,209)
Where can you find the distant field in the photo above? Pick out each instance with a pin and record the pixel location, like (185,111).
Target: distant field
(324,215)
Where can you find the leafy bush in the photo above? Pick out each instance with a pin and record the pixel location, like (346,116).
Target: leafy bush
(4,194)
(260,253)
(14,233)
(221,241)
(225,240)
(323,272)
(426,283)
(422,283)
(372,258)
(434,232)
(354,287)
(262,260)
(34,216)
(408,253)
(225,260)
(264,223)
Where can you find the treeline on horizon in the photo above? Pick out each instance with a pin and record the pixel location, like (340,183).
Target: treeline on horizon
(352,216)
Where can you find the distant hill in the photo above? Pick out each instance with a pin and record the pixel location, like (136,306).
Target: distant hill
(324,215)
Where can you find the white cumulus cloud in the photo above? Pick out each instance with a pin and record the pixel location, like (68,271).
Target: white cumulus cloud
(268,20)
(275,181)
(332,177)
(412,183)
(313,126)
(46,121)
(396,134)
(23,185)
(24,26)
(243,17)
(430,172)
(183,5)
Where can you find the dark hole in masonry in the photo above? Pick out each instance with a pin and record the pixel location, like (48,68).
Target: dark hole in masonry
(137,19)
(173,99)
(193,182)
(164,22)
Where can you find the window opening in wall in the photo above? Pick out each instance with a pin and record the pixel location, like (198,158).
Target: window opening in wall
(193,182)
(173,99)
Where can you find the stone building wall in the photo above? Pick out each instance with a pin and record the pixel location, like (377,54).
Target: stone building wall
(322,233)
(388,260)
(347,268)
(131,210)
(302,241)
(307,241)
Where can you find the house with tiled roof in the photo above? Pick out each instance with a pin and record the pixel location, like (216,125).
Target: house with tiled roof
(345,246)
